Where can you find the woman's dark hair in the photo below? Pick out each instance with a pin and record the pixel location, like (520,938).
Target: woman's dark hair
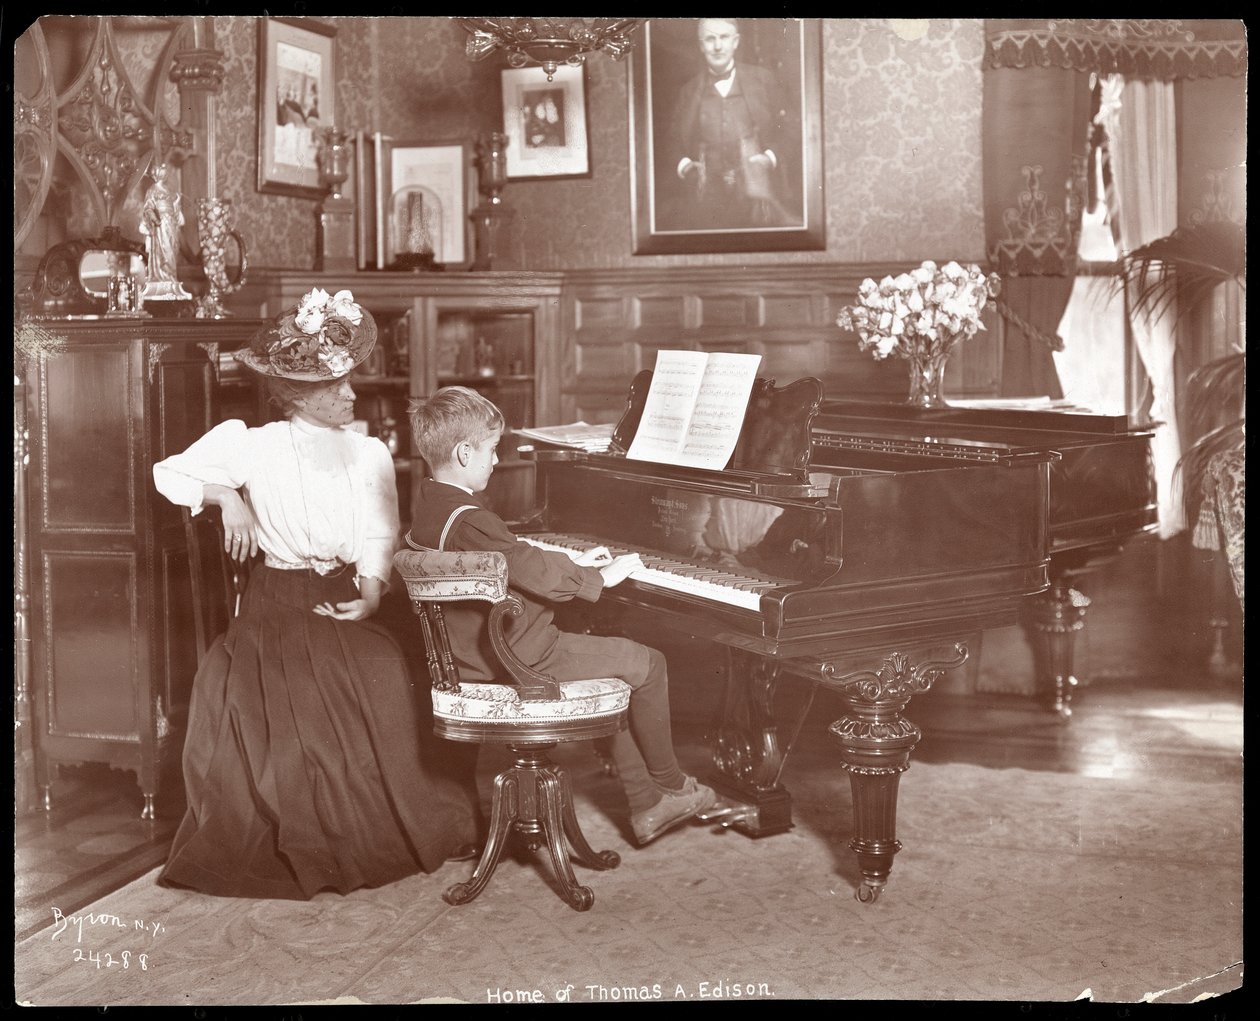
(285,393)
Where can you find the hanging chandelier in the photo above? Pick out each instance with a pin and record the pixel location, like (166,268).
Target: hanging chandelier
(548,41)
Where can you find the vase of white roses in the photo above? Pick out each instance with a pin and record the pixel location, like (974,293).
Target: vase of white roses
(920,316)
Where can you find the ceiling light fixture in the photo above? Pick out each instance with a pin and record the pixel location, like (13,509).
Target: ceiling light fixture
(548,41)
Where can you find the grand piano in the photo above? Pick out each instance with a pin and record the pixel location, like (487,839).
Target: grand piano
(1102,492)
(841,546)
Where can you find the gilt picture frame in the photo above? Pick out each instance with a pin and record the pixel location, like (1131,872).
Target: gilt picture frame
(296,101)
(690,196)
(425,193)
(545,123)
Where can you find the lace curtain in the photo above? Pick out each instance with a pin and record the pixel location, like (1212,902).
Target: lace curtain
(1143,133)
(1035,139)
(1035,153)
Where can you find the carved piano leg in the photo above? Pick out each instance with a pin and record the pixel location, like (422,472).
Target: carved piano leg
(876,741)
(1058,614)
(746,752)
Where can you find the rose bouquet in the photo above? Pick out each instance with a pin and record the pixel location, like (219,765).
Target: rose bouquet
(920,315)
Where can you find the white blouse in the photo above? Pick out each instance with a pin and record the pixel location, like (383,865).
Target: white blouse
(321,495)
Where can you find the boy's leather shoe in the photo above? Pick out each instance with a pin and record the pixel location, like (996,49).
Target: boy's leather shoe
(674,807)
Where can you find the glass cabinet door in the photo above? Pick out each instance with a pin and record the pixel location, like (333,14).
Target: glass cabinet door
(382,387)
(492,352)
(490,346)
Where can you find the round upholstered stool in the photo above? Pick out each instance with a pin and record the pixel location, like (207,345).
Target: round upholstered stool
(533,796)
(529,714)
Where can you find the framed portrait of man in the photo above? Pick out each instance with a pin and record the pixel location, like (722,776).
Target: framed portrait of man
(726,135)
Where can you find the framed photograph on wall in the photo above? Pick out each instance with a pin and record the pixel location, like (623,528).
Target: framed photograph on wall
(722,161)
(545,122)
(295,102)
(424,199)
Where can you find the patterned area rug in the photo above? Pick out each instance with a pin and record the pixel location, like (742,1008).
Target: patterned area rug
(1012,885)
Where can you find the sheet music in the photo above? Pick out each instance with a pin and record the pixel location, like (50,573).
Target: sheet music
(695,408)
(578,435)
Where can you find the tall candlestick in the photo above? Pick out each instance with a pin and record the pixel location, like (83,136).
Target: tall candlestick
(381,195)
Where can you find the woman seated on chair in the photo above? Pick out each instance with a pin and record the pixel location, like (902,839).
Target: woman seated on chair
(303,762)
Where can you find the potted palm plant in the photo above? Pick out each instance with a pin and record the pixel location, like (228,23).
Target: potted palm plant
(1181,271)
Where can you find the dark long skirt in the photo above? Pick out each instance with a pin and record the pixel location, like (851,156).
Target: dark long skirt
(310,762)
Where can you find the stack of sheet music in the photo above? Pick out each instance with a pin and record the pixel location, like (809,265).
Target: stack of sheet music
(578,435)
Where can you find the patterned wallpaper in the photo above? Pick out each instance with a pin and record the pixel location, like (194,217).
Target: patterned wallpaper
(901,111)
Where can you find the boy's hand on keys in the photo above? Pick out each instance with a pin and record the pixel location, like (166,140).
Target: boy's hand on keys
(597,557)
(620,568)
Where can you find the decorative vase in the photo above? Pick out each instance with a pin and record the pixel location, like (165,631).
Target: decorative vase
(491,216)
(334,222)
(214,230)
(927,372)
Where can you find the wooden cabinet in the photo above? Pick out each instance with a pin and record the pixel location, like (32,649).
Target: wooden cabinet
(496,332)
(113,652)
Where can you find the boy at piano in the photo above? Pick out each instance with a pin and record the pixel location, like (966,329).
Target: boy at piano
(456,431)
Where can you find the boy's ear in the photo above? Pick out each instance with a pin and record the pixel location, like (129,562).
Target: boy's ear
(459,455)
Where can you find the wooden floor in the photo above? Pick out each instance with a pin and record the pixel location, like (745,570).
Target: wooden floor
(1161,716)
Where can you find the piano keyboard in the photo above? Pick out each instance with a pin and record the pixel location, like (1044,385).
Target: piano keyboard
(661,571)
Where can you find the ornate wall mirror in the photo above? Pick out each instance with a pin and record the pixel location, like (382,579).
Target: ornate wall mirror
(82,277)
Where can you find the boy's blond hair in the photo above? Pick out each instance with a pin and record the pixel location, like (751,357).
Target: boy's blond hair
(452,415)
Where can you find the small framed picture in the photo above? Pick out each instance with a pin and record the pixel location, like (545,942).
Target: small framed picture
(295,103)
(425,195)
(545,122)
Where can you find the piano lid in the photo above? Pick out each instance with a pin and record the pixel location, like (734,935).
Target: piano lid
(775,438)
(971,421)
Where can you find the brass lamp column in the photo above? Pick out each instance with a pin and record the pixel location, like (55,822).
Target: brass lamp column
(491,219)
(334,242)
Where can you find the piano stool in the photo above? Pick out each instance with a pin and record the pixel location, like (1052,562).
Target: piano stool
(528,712)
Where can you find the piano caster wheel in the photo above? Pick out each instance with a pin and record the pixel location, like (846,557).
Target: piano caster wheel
(868,894)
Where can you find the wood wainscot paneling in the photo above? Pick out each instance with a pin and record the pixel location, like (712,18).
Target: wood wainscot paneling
(616,320)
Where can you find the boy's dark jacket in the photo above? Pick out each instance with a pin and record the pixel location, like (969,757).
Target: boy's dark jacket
(536,576)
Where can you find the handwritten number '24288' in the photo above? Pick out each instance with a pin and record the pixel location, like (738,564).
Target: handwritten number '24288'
(94,957)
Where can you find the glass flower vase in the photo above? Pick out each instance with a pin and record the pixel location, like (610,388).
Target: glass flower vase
(927,373)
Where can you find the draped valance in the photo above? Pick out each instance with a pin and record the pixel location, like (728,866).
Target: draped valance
(1160,48)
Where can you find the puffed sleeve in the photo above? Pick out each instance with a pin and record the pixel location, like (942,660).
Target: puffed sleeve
(380,513)
(219,458)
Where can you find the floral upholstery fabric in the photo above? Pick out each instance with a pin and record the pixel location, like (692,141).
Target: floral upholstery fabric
(432,575)
(602,696)
(1222,518)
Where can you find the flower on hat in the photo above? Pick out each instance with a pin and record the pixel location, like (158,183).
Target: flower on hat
(317,336)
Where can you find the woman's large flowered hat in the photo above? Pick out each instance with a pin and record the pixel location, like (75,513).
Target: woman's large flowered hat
(322,338)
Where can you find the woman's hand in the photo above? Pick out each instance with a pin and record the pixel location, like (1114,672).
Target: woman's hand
(240,527)
(356,609)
